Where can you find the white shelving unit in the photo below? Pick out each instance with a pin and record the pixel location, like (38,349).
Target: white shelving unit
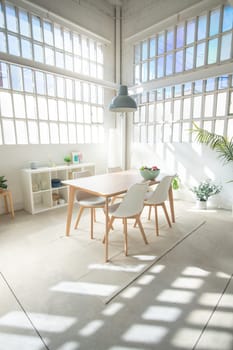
(39,194)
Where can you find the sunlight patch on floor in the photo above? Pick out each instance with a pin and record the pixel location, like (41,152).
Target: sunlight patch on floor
(195,271)
(145,257)
(185,338)
(221,319)
(85,288)
(175,296)
(111,267)
(16,342)
(91,328)
(162,313)
(71,345)
(215,340)
(146,334)
(211,299)
(145,280)
(131,292)
(43,322)
(187,283)
(112,309)
(157,268)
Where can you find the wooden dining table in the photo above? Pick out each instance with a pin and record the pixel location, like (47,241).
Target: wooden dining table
(107,185)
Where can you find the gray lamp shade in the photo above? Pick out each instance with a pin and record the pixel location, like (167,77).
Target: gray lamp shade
(123,102)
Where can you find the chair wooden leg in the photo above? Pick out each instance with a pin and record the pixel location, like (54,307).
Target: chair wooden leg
(79,216)
(166,214)
(110,226)
(11,204)
(6,205)
(92,221)
(149,214)
(113,200)
(126,236)
(141,229)
(156,221)
(94,215)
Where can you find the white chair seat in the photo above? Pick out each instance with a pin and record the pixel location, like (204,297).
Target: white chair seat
(92,201)
(86,200)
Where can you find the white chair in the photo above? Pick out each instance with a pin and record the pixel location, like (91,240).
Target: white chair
(129,208)
(158,198)
(87,200)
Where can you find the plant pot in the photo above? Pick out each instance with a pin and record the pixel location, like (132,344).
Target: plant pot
(201,204)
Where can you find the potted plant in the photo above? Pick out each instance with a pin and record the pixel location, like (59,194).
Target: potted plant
(219,143)
(176,182)
(205,190)
(67,159)
(3,183)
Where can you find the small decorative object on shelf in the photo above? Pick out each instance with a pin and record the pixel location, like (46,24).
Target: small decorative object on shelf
(67,159)
(56,182)
(33,165)
(75,157)
(149,173)
(3,183)
(205,190)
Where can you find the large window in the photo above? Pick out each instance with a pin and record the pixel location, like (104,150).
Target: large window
(166,114)
(34,38)
(39,106)
(192,44)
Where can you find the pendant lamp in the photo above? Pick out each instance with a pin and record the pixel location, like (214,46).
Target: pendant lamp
(123,102)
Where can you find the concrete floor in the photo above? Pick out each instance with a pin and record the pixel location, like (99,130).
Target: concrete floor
(175,293)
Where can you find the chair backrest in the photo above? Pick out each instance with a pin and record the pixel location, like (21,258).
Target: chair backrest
(160,194)
(81,195)
(133,201)
(115,169)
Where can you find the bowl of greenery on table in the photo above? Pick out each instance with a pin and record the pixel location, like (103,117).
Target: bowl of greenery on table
(149,173)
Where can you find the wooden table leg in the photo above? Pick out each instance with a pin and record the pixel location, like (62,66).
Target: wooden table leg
(171,202)
(70,209)
(11,204)
(106,230)
(5,203)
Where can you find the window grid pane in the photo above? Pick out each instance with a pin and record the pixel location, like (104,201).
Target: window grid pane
(170,114)
(190,45)
(49,112)
(51,43)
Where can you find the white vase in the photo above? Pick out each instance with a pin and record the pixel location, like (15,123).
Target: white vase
(201,204)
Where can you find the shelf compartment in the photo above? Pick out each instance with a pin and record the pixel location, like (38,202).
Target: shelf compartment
(40,182)
(42,201)
(59,196)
